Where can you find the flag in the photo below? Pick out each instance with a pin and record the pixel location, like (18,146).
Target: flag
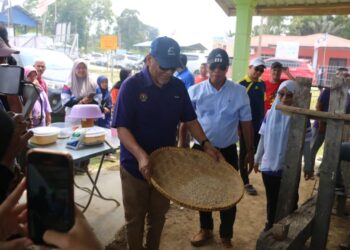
(42,6)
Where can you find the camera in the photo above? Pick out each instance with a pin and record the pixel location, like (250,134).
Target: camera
(12,83)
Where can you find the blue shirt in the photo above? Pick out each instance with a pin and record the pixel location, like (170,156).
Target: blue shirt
(186,77)
(219,111)
(151,114)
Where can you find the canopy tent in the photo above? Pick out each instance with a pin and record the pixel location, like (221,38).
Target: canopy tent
(16,15)
(184,46)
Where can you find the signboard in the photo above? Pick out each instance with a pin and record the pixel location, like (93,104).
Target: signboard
(109,42)
(287,50)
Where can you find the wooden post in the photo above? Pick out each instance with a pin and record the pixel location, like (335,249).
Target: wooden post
(328,168)
(300,226)
(291,172)
(345,168)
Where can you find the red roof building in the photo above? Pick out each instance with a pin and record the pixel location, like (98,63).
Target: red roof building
(332,51)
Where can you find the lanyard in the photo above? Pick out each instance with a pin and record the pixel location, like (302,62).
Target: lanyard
(249,86)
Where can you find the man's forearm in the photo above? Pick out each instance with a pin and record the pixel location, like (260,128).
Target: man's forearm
(130,143)
(196,130)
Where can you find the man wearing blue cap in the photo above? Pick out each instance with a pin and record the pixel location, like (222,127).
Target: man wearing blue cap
(150,105)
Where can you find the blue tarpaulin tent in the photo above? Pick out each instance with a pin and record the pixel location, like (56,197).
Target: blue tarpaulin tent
(18,16)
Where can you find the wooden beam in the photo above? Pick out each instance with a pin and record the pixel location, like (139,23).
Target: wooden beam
(300,226)
(291,171)
(337,8)
(313,114)
(328,169)
(304,9)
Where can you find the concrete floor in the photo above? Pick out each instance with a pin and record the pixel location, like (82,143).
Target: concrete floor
(104,217)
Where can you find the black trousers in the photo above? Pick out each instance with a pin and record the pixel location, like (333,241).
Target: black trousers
(228,216)
(272,187)
(242,154)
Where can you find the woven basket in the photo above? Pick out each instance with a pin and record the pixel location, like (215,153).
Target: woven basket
(194,180)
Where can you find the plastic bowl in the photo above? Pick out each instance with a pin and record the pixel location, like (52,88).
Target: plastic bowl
(86,111)
(44,135)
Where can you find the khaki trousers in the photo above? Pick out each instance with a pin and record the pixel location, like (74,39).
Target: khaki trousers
(142,204)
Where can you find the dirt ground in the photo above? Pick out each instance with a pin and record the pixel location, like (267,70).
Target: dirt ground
(181,223)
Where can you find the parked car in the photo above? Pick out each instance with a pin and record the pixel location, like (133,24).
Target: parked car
(194,61)
(297,67)
(58,67)
(127,61)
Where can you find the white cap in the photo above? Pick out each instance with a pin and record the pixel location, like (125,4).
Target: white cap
(257,62)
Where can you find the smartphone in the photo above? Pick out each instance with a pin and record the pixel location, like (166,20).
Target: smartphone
(50,192)
(11,79)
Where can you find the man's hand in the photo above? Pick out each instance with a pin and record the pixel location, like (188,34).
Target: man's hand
(80,237)
(249,161)
(144,167)
(13,220)
(256,167)
(212,151)
(18,141)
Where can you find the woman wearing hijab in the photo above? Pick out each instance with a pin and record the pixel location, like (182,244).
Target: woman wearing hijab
(106,103)
(123,74)
(271,152)
(80,89)
(106,108)
(41,112)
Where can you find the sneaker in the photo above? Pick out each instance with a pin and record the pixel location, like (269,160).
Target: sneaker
(110,158)
(201,238)
(309,175)
(226,244)
(250,189)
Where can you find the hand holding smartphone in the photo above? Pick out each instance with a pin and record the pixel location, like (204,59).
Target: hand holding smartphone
(50,192)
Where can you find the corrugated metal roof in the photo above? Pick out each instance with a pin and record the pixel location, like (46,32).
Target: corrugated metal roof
(291,7)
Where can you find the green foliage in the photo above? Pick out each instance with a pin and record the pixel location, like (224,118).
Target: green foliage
(275,25)
(305,25)
(131,30)
(95,15)
(30,6)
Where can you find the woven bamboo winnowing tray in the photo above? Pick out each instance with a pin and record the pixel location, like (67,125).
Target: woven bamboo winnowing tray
(195,180)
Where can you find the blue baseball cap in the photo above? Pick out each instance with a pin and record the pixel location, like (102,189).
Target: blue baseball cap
(166,51)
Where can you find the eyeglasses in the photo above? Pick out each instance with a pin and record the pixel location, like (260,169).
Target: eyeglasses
(259,69)
(167,69)
(287,95)
(214,66)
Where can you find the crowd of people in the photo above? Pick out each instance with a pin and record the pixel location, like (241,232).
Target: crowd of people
(235,122)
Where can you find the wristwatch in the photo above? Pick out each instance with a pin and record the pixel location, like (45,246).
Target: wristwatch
(204,141)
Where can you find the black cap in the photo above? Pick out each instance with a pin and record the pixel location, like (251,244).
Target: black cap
(218,56)
(276,65)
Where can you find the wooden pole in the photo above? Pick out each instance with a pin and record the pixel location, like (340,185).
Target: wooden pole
(328,168)
(291,173)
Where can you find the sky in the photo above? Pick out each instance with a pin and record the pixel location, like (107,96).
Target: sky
(188,21)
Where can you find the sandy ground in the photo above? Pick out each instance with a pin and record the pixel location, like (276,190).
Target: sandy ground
(181,223)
